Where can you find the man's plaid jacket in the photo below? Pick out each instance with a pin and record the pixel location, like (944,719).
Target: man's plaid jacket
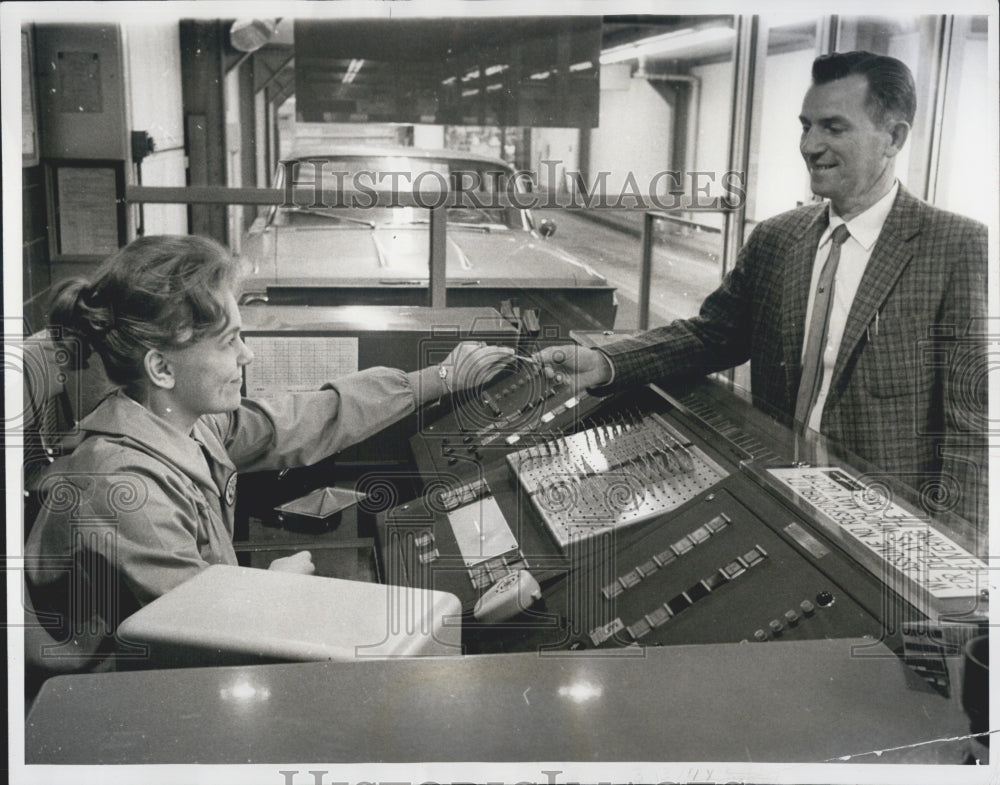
(910,397)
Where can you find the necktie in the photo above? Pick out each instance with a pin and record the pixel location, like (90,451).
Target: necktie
(812,363)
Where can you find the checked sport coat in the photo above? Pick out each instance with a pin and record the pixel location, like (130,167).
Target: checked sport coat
(909,388)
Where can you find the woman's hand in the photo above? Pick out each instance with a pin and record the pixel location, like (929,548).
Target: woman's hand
(473,364)
(301,563)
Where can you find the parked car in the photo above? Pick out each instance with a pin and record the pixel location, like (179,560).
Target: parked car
(305,253)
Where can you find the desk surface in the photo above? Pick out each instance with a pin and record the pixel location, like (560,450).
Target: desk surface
(808,701)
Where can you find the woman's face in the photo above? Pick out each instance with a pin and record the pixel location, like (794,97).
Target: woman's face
(208,373)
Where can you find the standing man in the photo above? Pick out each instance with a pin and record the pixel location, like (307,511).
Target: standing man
(834,303)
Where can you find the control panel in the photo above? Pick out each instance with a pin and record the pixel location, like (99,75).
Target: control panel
(567,521)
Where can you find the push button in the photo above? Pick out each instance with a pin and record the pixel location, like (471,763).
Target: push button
(808,609)
(776,627)
(791,618)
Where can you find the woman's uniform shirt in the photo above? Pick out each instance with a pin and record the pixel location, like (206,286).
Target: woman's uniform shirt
(139,507)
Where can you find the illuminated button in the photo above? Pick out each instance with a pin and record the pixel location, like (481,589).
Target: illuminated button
(682,546)
(733,569)
(648,568)
(824,599)
(807,607)
(612,590)
(639,629)
(753,556)
(715,580)
(423,540)
(665,558)
(699,535)
(630,579)
(791,618)
(658,617)
(776,627)
(717,524)
(760,635)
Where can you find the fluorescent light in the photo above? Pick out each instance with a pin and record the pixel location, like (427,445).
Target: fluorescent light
(471,75)
(352,71)
(450,80)
(490,88)
(581,66)
(667,43)
(496,69)
(467,93)
(541,75)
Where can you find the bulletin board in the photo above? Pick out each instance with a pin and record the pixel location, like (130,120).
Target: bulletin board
(88,209)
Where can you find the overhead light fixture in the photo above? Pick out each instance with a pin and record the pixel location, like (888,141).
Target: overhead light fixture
(449,81)
(541,75)
(493,87)
(581,66)
(667,43)
(471,75)
(352,71)
(496,69)
(467,93)
(249,35)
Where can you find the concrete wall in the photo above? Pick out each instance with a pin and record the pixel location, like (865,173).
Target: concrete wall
(634,135)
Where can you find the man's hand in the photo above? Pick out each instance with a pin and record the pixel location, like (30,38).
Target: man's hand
(583,366)
(301,563)
(472,364)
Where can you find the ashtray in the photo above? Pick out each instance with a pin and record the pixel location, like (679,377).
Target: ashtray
(320,510)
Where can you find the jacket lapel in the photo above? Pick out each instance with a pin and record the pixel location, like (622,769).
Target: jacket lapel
(798,275)
(892,252)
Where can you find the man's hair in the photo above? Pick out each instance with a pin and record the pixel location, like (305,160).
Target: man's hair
(891,93)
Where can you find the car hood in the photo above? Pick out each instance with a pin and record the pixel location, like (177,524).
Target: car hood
(358,256)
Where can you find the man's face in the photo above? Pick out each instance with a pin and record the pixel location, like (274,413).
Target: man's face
(850,158)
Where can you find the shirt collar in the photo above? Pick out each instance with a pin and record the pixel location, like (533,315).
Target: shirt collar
(865,227)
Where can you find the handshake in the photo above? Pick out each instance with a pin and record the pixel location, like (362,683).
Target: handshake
(472,364)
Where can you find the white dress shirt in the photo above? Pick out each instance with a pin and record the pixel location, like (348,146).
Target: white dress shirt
(854,255)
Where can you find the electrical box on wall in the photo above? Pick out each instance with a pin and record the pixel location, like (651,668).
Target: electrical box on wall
(81,91)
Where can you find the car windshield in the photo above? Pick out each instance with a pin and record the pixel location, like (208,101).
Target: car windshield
(357,179)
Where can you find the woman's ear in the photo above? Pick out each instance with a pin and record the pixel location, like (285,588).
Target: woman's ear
(159,370)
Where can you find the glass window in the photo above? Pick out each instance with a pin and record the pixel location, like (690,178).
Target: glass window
(967,143)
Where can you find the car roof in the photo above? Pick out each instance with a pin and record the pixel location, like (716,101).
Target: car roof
(375,151)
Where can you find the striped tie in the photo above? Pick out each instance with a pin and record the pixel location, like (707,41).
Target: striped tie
(812,363)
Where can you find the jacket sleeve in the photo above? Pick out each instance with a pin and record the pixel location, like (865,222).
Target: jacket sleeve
(107,543)
(299,429)
(717,338)
(964,448)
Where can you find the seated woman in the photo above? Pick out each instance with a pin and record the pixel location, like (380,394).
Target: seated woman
(146,498)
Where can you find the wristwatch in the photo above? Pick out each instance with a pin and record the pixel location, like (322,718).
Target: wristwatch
(443,376)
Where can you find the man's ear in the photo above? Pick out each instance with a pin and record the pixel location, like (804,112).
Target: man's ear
(899,132)
(158,370)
